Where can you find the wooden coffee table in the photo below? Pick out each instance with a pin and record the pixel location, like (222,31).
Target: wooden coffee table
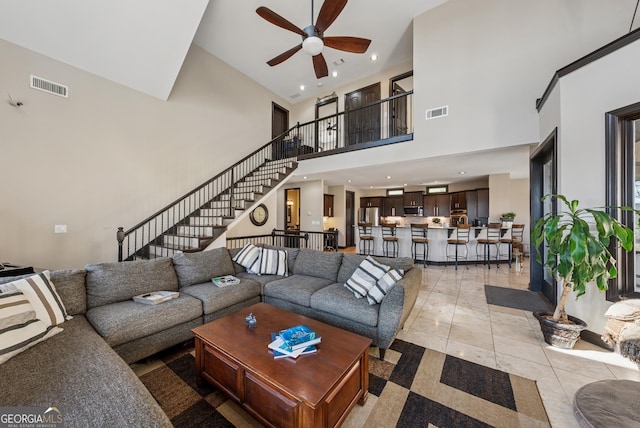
(314,390)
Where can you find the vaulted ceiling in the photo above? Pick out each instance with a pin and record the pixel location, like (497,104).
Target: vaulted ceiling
(142,44)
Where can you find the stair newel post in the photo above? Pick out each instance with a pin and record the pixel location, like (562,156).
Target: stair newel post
(273,237)
(306,240)
(120,237)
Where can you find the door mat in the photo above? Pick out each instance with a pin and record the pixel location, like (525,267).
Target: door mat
(517,299)
(425,388)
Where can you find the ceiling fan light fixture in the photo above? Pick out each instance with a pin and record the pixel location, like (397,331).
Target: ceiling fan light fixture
(312,45)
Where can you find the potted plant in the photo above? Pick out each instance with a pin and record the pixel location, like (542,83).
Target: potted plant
(507,219)
(578,254)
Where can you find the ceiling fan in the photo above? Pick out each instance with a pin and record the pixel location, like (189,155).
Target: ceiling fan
(313,40)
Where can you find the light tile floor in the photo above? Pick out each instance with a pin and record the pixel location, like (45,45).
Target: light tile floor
(451,315)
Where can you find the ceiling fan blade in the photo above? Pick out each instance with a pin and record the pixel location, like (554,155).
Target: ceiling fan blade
(328,13)
(320,66)
(276,19)
(348,44)
(284,56)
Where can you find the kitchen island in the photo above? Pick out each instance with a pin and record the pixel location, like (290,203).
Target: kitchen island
(438,236)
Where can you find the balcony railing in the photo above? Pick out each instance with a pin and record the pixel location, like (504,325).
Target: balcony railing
(382,122)
(323,241)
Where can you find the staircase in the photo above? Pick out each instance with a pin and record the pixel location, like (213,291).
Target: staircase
(197,219)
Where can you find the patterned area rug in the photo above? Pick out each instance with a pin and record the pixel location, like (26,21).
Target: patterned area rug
(416,387)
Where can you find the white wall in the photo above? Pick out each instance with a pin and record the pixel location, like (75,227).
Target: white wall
(578,106)
(490,61)
(109,156)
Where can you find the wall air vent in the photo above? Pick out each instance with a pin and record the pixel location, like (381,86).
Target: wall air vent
(296,95)
(435,113)
(49,86)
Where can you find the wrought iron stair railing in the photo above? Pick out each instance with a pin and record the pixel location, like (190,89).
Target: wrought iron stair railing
(194,220)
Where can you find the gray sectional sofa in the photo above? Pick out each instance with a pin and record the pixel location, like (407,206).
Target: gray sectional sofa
(84,371)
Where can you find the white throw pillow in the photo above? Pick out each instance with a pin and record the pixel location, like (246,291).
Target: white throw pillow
(273,262)
(624,310)
(43,297)
(377,293)
(366,276)
(249,258)
(19,327)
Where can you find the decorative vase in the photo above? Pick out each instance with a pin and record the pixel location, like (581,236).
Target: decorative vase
(558,334)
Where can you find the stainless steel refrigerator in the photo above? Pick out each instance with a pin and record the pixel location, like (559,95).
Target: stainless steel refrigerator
(370,215)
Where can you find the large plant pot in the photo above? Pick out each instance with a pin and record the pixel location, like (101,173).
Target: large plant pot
(558,334)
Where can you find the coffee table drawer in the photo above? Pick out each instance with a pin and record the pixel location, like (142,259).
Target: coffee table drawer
(344,396)
(271,404)
(221,371)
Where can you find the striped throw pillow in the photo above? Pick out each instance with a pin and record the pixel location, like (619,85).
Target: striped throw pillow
(366,276)
(377,293)
(273,262)
(249,257)
(43,297)
(19,327)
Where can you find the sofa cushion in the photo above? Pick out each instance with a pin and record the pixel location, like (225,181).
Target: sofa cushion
(122,322)
(366,276)
(295,288)
(383,285)
(249,258)
(339,301)
(273,262)
(196,268)
(216,298)
(70,286)
(119,281)
(624,310)
(350,263)
(318,263)
(81,375)
(19,327)
(292,255)
(44,298)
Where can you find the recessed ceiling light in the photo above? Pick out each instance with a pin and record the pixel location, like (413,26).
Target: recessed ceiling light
(388,177)
(405,184)
(302,87)
(335,73)
(338,62)
(373,57)
(304,178)
(462,172)
(348,181)
(320,84)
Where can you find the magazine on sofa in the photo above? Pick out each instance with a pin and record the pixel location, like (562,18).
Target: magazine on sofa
(156,297)
(223,281)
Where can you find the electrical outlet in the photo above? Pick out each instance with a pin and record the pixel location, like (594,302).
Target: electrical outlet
(60,228)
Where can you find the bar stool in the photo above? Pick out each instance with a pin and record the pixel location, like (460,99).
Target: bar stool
(459,238)
(517,235)
(493,238)
(419,234)
(389,237)
(366,237)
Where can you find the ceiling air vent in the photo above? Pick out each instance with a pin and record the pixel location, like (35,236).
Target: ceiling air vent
(435,113)
(49,86)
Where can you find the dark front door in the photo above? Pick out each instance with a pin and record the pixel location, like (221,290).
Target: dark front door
(362,117)
(279,125)
(398,112)
(350,213)
(543,180)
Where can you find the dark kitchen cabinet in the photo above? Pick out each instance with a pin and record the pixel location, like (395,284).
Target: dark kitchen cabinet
(472,204)
(483,203)
(437,205)
(413,199)
(392,206)
(369,202)
(459,201)
(328,206)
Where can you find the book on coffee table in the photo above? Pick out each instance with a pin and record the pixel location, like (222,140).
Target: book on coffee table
(156,297)
(279,349)
(299,336)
